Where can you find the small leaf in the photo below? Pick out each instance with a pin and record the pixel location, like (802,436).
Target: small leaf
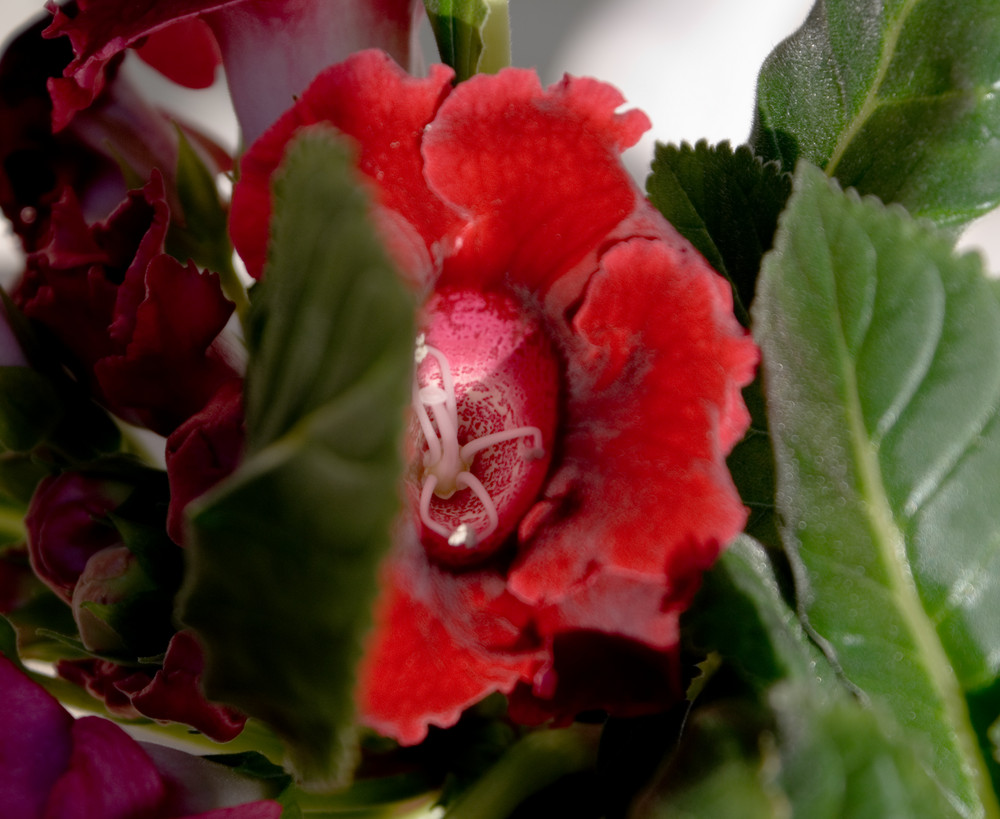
(895,98)
(282,571)
(882,366)
(8,642)
(199,230)
(472,35)
(725,202)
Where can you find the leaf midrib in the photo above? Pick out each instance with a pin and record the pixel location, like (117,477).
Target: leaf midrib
(891,546)
(872,102)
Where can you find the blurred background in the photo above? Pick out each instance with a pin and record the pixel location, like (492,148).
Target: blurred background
(690,66)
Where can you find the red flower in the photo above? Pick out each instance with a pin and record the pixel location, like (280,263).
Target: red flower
(577,392)
(142,329)
(56,767)
(255,38)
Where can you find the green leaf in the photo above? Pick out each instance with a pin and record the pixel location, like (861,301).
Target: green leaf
(751,464)
(882,365)
(200,230)
(797,754)
(896,98)
(472,35)
(717,771)
(740,613)
(8,642)
(281,575)
(29,408)
(725,202)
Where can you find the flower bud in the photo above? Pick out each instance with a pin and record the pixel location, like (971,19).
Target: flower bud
(67,524)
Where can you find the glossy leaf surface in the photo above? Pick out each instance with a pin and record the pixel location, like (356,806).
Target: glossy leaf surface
(882,366)
(896,98)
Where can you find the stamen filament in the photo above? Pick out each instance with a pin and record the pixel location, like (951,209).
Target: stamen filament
(469,451)
(446,462)
(467,479)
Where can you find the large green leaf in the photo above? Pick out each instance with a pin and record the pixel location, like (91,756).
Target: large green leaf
(895,97)
(281,574)
(882,365)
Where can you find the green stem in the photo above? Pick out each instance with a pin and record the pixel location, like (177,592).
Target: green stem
(533,762)
(496,38)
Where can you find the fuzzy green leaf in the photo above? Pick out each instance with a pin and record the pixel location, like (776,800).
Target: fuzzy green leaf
(882,365)
(896,98)
(282,572)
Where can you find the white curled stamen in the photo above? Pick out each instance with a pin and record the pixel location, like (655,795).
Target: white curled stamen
(447,464)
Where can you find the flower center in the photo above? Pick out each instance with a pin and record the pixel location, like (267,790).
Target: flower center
(484,398)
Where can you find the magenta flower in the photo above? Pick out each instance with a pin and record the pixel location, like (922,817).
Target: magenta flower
(255,38)
(55,767)
(577,390)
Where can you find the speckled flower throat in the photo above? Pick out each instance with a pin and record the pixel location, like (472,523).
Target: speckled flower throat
(485,401)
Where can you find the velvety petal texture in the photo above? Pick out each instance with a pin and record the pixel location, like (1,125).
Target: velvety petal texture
(506,201)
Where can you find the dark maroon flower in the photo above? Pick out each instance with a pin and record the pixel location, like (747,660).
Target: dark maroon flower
(68,523)
(118,127)
(202,451)
(171,693)
(577,390)
(142,329)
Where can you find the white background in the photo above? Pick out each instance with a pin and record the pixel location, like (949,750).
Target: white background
(691,66)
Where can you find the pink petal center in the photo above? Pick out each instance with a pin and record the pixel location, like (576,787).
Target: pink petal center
(485,402)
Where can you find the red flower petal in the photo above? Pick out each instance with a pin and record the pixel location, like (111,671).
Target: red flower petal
(202,451)
(185,52)
(169,369)
(415,674)
(174,694)
(535,172)
(257,36)
(99,31)
(373,100)
(656,359)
